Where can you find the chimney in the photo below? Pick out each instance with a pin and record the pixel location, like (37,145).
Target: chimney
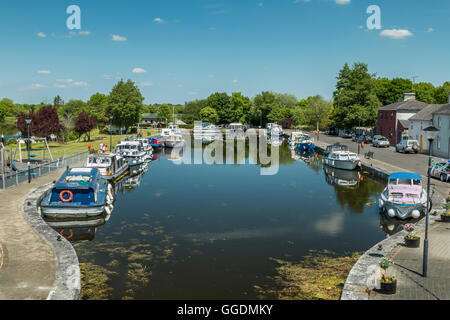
(409,96)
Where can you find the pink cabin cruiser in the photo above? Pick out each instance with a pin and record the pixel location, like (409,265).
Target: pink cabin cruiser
(404,197)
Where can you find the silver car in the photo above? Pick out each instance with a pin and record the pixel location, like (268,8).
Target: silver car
(407,146)
(441,170)
(380,141)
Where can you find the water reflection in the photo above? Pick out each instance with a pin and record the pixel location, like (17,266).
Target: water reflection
(394,225)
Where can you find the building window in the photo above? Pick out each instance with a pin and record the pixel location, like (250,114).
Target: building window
(412,126)
(392,116)
(381,115)
(439,122)
(390,132)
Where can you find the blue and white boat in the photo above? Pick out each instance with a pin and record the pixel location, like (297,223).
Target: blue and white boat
(80,192)
(304,143)
(157,141)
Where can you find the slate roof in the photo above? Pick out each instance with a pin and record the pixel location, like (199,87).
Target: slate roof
(412,105)
(404,123)
(426,114)
(444,109)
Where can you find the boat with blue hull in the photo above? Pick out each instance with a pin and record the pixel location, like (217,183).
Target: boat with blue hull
(304,144)
(157,141)
(80,192)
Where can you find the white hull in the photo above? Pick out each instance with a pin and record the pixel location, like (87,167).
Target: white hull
(73,212)
(401,210)
(342,164)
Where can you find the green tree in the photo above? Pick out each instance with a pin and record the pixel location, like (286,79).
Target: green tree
(97,107)
(261,107)
(318,110)
(241,107)
(425,92)
(355,96)
(221,102)
(192,110)
(125,104)
(164,114)
(58,101)
(9,105)
(391,91)
(441,93)
(4,111)
(209,114)
(72,109)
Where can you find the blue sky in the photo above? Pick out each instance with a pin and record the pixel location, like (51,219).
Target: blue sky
(180,50)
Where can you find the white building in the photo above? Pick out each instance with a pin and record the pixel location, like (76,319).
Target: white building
(421,120)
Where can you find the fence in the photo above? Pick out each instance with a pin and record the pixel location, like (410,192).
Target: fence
(15,177)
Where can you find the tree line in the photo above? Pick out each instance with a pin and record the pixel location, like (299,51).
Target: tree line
(357,96)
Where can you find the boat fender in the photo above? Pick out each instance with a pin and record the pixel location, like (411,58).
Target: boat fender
(110,195)
(108,210)
(61,196)
(381,202)
(391,213)
(415,214)
(70,234)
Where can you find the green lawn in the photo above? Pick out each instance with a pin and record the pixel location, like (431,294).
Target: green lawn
(70,148)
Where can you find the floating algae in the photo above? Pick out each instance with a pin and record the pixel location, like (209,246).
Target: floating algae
(94,280)
(319,276)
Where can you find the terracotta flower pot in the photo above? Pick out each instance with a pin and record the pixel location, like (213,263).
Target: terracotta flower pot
(412,243)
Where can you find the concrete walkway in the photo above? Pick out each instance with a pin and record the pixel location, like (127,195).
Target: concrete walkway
(408,266)
(29,271)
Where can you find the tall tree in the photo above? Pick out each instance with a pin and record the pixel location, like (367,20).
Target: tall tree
(47,122)
(192,110)
(441,93)
(425,92)
(125,104)
(97,107)
(165,113)
(221,102)
(209,114)
(261,107)
(241,106)
(58,101)
(355,96)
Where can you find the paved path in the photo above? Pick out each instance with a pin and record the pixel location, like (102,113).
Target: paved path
(408,268)
(29,272)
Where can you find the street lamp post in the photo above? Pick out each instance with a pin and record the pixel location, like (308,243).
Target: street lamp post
(28,121)
(431,134)
(318,126)
(359,134)
(110,131)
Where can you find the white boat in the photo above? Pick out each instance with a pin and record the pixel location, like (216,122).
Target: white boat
(132,152)
(236,131)
(112,167)
(274,130)
(207,129)
(342,178)
(145,145)
(338,156)
(174,129)
(404,197)
(175,141)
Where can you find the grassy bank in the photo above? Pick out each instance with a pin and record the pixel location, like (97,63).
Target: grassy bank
(66,149)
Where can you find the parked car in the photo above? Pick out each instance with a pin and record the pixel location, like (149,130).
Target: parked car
(347,134)
(380,141)
(441,170)
(407,146)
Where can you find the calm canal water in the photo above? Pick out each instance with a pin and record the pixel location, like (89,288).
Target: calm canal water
(209,231)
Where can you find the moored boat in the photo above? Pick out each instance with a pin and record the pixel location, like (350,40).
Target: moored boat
(157,141)
(338,156)
(404,197)
(112,167)
(80,192)
(175,141)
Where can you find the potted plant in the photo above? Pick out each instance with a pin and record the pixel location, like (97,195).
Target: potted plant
(445,215)
(411,240)
(388,284)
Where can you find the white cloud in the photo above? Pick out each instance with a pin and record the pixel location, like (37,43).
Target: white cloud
(139,70)
(235,81)
(64,80)
(38,86)
(146,84)
(430,29)
(107,77)
(396,33)
(60,85)
(342,1)
(44,72)
(80,84)
(42,35)
(159,20)
(116,37)
(260,4)
(84,33)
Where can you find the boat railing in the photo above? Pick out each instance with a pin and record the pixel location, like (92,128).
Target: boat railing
(12,178)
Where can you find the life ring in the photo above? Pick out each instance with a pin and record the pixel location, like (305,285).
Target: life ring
(70,234)
(61,196)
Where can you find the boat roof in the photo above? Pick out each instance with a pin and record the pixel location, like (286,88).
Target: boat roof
(405,175)
(76,175)
(103,155)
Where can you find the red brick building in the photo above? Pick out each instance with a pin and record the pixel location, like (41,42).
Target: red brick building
(392,121)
